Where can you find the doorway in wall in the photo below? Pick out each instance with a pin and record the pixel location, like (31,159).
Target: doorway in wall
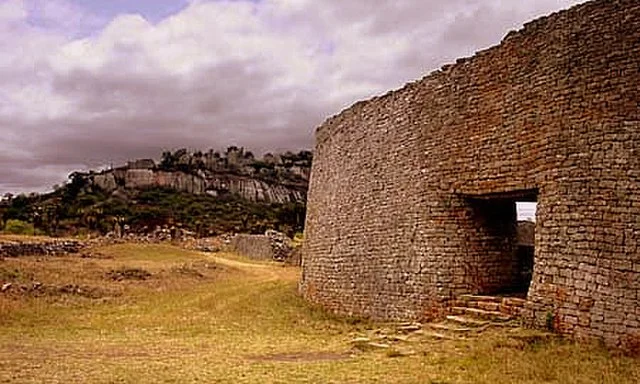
(526,230)
(502,246)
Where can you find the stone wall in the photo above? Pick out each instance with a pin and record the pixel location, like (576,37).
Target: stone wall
(257,247)
(272,246)
(412,195)
(39,248)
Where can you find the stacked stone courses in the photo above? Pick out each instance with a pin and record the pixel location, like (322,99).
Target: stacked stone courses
(38,248)
(411,196)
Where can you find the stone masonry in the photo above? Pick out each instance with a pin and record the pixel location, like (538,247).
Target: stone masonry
(272,246)
(39,248)
(412,196)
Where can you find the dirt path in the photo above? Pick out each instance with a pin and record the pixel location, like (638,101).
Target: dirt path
(262,271)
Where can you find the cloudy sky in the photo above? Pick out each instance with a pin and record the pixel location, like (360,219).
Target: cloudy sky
(88,83)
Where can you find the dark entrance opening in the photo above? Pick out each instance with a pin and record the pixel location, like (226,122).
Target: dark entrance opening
(525,244)
(501,253)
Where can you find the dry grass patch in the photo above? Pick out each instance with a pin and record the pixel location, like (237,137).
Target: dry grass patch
(127,273)
(30,239)
(209,318)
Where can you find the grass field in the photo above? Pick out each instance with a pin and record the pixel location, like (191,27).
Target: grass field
(150,314)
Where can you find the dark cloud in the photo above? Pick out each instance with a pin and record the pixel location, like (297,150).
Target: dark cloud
(261,75)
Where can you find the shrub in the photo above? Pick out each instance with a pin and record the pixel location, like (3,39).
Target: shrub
(18,227)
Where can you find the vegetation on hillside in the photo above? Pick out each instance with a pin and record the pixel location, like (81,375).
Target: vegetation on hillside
(60,213)
(284,168)
(78,207)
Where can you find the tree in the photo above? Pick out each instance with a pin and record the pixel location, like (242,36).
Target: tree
(75,185)
(306,156)
(179,154)
(19,209)
(166,161)
(232,149)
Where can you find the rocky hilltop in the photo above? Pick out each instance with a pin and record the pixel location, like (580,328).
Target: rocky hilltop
(205,193)
(281,178)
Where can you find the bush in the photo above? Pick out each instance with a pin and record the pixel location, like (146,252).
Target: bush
(18,227)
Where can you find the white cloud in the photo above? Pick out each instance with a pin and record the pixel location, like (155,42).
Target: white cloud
(258,74)
(12,11)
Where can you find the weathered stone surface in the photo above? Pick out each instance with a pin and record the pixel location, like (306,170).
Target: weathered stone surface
(279,179)
(39,248)
(526,233)
(245,187)
(403,215)
(256,247)
(273,245)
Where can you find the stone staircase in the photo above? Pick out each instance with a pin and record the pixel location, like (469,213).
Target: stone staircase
(481,310)
(470,316)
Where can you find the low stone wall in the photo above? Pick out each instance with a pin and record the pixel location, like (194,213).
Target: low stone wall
(257,247)
(272,245)
(39,248)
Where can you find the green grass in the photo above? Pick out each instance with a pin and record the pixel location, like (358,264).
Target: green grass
(242,322)
(149,252)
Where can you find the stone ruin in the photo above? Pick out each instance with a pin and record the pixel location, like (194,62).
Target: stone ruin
(272,246)
(48,247)
(412,196)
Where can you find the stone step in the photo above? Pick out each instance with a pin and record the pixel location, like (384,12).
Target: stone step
(509,306)
(514,302)
(481,314)
(409,327)
(477,298)
(435,335)
(449,328)
(467,321)
(488,306)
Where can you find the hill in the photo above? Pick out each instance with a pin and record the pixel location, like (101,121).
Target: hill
(207,193)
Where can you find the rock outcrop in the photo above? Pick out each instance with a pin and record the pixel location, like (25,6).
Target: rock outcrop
(271,180)
(217,185)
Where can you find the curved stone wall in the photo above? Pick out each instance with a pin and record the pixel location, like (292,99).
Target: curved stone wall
(409,190)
